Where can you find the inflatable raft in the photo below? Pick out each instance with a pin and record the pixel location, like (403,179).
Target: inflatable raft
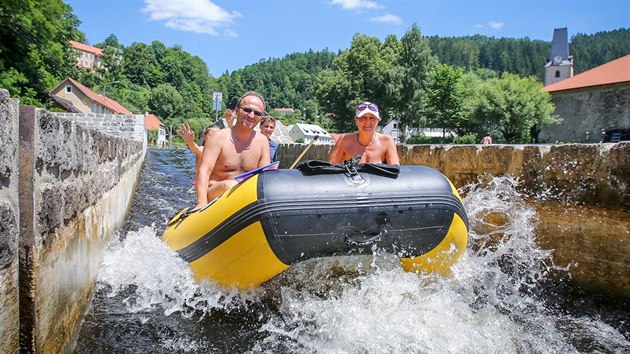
(274,219)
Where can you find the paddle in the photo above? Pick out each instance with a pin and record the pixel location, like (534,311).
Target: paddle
(304,151)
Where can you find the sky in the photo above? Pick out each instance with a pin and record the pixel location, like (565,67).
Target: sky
(231,34)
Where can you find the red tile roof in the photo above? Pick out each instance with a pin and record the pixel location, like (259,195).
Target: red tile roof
(613,72)
(105,101)
(86,48)
(151,122)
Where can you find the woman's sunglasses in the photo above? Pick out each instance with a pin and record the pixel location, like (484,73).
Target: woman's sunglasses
(249,110)
(371,106)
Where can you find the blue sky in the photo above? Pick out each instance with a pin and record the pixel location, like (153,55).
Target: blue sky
(231,34)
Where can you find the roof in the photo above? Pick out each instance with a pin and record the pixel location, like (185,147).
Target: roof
(614,72)
(86,48)
(151,122)
(560,43)
(105,101)
(311,129)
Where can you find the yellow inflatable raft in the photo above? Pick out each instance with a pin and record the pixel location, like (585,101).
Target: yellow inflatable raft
(264,224)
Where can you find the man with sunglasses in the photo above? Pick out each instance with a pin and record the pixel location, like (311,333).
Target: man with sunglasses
(233,151)
(373,147)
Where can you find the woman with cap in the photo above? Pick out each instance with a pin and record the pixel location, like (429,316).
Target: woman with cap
(373,147)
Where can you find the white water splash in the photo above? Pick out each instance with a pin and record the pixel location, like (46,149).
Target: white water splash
(152,275)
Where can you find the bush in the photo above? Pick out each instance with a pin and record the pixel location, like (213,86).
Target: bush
(466,139)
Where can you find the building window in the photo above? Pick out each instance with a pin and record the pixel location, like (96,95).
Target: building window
(69,88)
(557,73)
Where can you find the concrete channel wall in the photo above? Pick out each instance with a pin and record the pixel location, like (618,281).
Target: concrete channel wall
(66,183)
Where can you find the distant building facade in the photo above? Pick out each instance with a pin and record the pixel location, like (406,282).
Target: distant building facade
(89,57)
(594,105)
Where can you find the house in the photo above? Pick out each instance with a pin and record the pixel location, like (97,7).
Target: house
(592,104)
(391,129)
(89,57)
(74,97)
(306,133)
(152,123)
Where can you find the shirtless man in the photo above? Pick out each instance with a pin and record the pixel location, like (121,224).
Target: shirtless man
(233,151)
(373,147)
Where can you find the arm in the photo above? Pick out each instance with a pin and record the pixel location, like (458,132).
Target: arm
(336,155)
(265,156)
(208,159)
(391,154)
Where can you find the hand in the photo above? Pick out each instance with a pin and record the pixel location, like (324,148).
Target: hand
(186,133)
(229,116)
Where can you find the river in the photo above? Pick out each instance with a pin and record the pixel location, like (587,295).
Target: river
(505,295)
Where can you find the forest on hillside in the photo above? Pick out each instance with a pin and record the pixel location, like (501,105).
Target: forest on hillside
(422,81)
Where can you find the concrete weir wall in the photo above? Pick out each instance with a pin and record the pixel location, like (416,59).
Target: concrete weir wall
(66,183)
(594,174)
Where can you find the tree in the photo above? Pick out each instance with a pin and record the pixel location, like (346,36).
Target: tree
(410,74)
(35,52)
(444,101)
(167,103)
(512,105)
(358,74)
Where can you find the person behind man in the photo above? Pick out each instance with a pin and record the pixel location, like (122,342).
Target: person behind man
(267,126)
(373,147)
(233,151)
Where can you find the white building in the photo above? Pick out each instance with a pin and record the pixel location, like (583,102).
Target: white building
(306,133)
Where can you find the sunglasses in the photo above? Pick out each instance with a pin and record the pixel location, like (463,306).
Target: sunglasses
(371,106)
(249,110)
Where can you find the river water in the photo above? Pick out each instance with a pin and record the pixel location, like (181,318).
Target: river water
(505,295)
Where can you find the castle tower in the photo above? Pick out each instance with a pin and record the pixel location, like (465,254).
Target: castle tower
(559,64)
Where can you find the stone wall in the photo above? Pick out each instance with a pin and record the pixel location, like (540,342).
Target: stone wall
(596,174)
(9,224)
(77,175)
(586,112)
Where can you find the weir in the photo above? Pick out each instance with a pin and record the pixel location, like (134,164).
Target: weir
(67,180)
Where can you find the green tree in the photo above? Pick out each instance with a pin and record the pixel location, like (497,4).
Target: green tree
(414,63)
(358,74)
(444,101)
(35,53)
(140,65)
(167,103)
(512,106)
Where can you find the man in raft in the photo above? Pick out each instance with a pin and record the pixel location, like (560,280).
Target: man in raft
(373,147)
(233,151)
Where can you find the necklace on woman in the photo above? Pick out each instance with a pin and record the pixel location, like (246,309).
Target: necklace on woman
(365,147)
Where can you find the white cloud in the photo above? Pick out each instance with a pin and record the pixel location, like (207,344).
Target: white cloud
(199,16)
(478,26)
(387,18)
(356,4)
(496,25)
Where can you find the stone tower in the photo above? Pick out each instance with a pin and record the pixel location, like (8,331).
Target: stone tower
(559,64)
